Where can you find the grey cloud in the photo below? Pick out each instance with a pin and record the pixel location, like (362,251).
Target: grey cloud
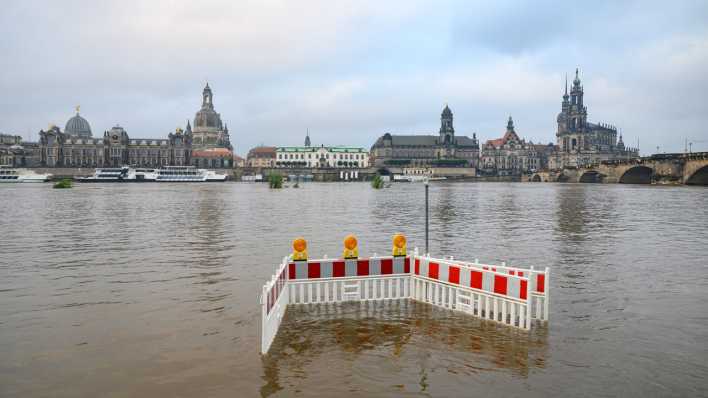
(349,71)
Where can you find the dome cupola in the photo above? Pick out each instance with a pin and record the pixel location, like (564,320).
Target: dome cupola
(78,126)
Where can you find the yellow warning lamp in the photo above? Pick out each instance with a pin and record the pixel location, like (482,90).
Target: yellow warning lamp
(399,245)
(300,249)
(350,247)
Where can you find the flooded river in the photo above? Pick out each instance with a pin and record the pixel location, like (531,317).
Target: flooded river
(152,290)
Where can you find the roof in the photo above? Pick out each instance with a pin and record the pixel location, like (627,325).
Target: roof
(594,126)
(262,149)
(78,126)
(345,149)
(496,142)
(262,152)
(212,153)
(423,140)
(305,149)
(508,136)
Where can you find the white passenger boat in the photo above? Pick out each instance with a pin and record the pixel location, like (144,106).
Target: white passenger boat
(188,174)
(416,178)
(121,174)
(11,174)
(253,178)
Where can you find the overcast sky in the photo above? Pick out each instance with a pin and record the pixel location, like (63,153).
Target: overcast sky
(350,71)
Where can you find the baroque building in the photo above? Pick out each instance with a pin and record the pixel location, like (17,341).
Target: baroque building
(512,156)
(209,131)
(76,147)
(442,150)
(581,142)
(210,137)
(115,149)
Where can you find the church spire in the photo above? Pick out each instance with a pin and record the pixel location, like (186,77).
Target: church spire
(576,81)
(566,85)
(510,124)
(207,97)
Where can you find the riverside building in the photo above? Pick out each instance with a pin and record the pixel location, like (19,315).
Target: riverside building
(442,150)
(512,156)
(115,148)
(14,152)
(77,147)
(308,156)
(261,156)
(208,145)
(581,143)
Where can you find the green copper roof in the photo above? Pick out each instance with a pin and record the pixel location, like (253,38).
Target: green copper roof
(305,149)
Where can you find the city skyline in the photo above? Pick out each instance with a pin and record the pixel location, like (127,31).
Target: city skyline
(351,73)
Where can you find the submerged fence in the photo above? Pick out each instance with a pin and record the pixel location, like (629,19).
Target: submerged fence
(508,295)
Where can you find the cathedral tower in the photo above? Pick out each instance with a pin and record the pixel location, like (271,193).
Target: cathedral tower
(447,132)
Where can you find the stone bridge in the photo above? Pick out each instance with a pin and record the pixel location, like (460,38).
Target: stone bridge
(689,169)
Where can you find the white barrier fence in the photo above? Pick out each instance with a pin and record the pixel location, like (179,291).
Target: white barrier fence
(274,302)
(479,304)
(538,281)
(508,295)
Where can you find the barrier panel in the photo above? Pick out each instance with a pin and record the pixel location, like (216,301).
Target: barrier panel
(537,281)
(508,295)
(335,280)
(274,301)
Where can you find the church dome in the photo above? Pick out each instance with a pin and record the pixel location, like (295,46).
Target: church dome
(78,126)
(207,118)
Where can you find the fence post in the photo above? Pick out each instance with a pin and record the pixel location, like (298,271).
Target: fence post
(264,318)
(547,290)
(532,288)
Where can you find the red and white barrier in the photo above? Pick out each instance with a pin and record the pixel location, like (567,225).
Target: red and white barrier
(538,283)
(274,301)
(502,294)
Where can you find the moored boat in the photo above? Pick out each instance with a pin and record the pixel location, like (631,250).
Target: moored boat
(188,174)
(120,174)
(11,174)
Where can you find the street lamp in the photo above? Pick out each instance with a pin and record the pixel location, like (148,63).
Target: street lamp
(426,217)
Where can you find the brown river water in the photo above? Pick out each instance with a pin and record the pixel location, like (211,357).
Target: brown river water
(152,290)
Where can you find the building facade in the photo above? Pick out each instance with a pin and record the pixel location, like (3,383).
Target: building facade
(512,156)
(77,147)
(116,148)
(442,150)
(580,142)
(15,152)
(262,156)
(321,157)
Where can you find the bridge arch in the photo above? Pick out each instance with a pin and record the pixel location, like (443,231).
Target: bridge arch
(637,175)
(591,176)
(699,177)
(536,178)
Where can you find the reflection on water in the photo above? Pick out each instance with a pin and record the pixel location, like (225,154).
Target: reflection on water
(152,290)
(392,336)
